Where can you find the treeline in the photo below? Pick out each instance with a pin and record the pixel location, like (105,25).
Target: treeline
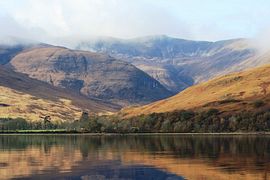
(211,121)
(9,124)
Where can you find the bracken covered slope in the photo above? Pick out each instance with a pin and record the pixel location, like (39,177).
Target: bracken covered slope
(21,96)
(233,92)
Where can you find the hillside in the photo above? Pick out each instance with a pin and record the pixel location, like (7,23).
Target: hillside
(91,74)
(31,99)
(229,93)
(8,51)
(178,63)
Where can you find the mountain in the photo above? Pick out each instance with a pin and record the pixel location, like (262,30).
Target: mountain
(230,93)
(31,99)
(7,52)
(91,74)
(178,63)
(11,46)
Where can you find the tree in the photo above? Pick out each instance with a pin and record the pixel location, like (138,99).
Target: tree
(93,125)
(166,126)
(258,103)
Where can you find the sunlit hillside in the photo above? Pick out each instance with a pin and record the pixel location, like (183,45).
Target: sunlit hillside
(237,91)
(14,104)
(31,99)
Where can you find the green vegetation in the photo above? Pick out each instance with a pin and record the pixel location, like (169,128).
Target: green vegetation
(258,103)
(211,121)
(23,126)
(230,100)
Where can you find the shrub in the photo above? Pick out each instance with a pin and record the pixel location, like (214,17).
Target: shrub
(166,126)
(258,103)
(226,101)
(212,111)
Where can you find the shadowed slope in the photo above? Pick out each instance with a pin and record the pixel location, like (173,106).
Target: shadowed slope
(91,74)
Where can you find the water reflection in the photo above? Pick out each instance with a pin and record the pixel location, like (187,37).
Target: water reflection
(134,157)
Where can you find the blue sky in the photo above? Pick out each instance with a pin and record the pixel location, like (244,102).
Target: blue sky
(48,20)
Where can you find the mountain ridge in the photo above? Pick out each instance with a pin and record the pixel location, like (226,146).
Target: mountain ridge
(179,59)
(91,74)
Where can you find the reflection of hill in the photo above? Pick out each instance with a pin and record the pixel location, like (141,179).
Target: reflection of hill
(67,161)
(199,168)
(193,157)
(34,160)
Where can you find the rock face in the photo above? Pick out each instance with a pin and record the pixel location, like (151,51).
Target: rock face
(178,63)
(168,75)
(91,74)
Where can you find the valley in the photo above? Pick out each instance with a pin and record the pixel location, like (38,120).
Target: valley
(153,80)
(134,90)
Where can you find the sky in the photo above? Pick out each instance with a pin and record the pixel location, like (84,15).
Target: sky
(51,20)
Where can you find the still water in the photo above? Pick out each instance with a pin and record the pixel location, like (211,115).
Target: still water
(141,157)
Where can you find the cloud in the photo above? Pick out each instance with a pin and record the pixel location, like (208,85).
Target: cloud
(261,41)
(118,18)
(52,20)
(9,29)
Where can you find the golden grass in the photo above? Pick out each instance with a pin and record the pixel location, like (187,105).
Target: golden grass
(33,108)
(29,98)
(250,84)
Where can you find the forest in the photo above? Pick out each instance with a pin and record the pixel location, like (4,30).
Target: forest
(182,121)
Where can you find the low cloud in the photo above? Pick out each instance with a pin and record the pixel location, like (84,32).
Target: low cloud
(49,21)
(262,41)
(12,32)
(55,21)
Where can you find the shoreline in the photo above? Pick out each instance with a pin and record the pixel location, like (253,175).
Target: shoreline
(133,134)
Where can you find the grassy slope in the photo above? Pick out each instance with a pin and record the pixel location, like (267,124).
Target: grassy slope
(32,108)
(21,96)
(244,87)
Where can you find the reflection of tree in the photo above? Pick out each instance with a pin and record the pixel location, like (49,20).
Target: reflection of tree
(87,145)
(255,149)
(181,145)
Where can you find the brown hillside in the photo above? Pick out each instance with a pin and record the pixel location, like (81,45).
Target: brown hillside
(91,74)
(21,96)
(232,92)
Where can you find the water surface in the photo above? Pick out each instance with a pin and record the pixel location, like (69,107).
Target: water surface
(134,157)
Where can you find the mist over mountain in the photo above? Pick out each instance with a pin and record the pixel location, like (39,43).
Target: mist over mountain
(165,65)
(135,89)
(178,63)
